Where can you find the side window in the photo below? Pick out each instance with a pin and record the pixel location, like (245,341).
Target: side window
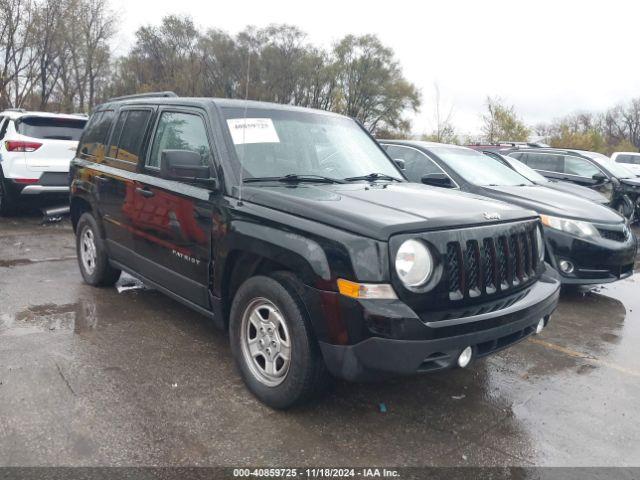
(416,164)
(580,166)
(117,131)
(130,130)
(544,161)
(179,131)
(94,137)
(519,156)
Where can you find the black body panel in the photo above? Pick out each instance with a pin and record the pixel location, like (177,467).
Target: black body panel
(196,241)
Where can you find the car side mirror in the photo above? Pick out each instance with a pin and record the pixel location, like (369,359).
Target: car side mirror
(399,163)
(437,180)
(185,165)
(600,177)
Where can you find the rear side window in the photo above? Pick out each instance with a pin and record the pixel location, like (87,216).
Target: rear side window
(51,128)
(130,130)
(179,131)
(95,136)
(543,161)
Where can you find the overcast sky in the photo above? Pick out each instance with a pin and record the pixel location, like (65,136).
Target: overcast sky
(548,58)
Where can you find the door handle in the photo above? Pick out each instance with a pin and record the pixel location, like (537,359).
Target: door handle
(145,192)
(102,179)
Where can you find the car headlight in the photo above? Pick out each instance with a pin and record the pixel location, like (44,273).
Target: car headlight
(574,227)
(540,244)
(414,263)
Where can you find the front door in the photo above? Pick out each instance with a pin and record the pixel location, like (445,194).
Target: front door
(172,219)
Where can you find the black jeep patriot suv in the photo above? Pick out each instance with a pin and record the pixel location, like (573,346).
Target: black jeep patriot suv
(293,229)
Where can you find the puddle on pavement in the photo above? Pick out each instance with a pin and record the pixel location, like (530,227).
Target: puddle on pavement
(72,317)
(28,261)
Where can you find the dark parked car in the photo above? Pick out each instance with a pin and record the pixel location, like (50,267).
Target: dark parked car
(586,242)
(534,177)
(588,169)
(292,229)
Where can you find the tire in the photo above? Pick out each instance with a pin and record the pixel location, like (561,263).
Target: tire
(92,256)
(7,202)
(287,331)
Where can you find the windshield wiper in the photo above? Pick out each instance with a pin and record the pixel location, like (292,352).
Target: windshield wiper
(371,177)
(294,178)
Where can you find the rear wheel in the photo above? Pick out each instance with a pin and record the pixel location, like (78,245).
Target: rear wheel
(273,344)
(92,256)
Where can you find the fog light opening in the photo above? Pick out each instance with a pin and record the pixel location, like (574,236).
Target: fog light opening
(465,357)
(540,326)
(566,266)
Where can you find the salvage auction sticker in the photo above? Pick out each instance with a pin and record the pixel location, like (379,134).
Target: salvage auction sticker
(252,130)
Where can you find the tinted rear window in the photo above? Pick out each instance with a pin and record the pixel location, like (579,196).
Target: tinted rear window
(51,128)
(134,124)
(95,136)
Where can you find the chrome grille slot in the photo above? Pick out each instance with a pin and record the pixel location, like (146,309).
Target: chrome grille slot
(490,264)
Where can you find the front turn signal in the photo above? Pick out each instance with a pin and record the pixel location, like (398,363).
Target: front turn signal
(366,290)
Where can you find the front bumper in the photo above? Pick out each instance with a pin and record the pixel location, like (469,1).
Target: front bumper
(423,346)
(595,260)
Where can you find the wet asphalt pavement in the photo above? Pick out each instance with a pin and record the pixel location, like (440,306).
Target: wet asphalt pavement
(95,377)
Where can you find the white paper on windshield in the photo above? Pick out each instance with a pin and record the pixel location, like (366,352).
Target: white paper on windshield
(252,130)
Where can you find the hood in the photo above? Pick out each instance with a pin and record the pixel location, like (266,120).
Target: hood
(634,182)
(553,202)
(381,210)
(578,190)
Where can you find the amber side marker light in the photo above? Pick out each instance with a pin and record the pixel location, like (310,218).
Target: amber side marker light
(366,290)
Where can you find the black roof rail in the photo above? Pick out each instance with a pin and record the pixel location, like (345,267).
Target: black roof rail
(165,94)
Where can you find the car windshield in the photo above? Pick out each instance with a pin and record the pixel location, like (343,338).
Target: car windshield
(477,168)
(279,142)
(51,128)
(526,171)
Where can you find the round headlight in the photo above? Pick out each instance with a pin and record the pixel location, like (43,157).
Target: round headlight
(414,263)
(540,244)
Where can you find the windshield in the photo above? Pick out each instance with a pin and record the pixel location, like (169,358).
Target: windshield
(275,143)
(51,128)
(526,171)
(477,168)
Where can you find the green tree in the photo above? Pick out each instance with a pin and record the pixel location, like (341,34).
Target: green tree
(371,87)
(501,122)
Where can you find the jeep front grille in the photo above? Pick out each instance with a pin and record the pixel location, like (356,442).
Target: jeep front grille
(492,264)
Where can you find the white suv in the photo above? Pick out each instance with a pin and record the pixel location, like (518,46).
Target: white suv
(631,160)
(35,151)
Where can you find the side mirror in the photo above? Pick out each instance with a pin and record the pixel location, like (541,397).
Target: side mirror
(600,177)
(399,163)
(437,180)
(185,165)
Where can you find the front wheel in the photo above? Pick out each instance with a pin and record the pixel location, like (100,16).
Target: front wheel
(92,256)
(273,343)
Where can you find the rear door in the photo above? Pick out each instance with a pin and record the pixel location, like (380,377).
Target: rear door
(172,220)
(118,178)
(58,139)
